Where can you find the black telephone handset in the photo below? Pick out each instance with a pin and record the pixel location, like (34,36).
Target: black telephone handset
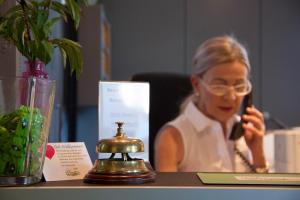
(237,129)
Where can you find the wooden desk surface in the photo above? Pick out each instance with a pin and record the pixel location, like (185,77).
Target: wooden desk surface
(166,186)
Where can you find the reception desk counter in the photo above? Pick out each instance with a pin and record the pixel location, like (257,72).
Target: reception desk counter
(169,186)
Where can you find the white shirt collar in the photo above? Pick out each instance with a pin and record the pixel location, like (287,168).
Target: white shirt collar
(195,116)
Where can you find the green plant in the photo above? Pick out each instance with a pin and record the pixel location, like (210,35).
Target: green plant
(14,131)
(28,25)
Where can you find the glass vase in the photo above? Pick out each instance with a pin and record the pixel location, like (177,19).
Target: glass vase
(26,106)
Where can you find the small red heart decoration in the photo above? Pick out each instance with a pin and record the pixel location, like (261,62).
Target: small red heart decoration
(50,151)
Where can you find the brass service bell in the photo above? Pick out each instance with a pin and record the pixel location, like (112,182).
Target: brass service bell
(120,168)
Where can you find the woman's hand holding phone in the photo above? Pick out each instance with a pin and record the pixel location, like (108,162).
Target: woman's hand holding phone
(254,131)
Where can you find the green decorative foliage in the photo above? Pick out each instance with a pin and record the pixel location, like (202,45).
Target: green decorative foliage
(17,137)
(28,26)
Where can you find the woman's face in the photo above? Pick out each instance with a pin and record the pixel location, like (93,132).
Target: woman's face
(220,108)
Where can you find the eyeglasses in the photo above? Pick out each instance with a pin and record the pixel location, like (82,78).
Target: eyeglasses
(240,89)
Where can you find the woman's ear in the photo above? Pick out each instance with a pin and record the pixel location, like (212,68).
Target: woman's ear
(195,83)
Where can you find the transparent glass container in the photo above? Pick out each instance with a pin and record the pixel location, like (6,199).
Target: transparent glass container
(26,106)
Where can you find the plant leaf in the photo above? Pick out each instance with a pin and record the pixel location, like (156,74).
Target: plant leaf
(73,54)
(19,34)
(45,51)
(60,8)
(49,25)
(64,56)
(42,18)
(75,11)
(14,11)
(35,32)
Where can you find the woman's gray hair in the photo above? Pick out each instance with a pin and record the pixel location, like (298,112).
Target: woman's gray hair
(215,51)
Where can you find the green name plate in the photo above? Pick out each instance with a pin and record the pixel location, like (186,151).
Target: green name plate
(249,178)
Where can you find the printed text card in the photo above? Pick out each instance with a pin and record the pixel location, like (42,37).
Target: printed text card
(66,161)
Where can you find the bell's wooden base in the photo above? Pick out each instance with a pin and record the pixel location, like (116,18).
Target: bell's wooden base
(132,178)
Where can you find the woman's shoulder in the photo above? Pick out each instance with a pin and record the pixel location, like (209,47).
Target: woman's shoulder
(168,131)
(169,134)
(170,142)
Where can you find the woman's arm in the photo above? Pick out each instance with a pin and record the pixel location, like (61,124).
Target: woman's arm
(168,150)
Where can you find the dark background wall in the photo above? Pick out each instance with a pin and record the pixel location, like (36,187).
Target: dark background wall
(280,68)
(162,35)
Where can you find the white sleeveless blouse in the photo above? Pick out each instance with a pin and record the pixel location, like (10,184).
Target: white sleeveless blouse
(205,147)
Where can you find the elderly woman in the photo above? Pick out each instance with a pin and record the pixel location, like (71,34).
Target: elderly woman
(198,139)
